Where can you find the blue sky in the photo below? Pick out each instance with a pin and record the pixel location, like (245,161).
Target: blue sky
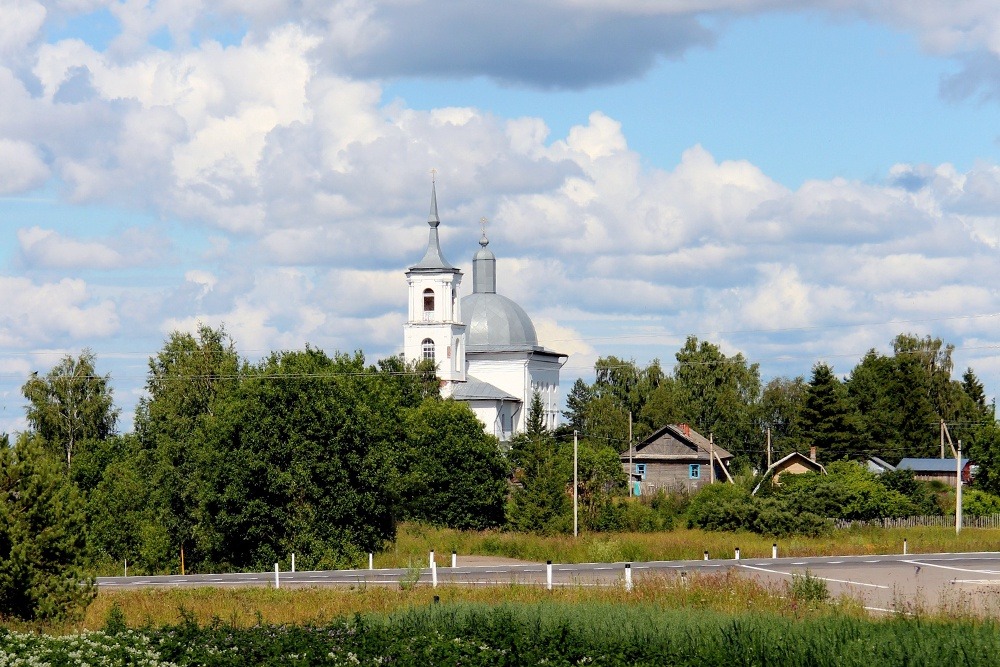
(793,181)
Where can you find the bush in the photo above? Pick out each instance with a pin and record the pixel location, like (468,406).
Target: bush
(775,517)
(979,503)
(722,507)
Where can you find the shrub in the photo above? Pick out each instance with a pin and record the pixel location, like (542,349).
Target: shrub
(722,507)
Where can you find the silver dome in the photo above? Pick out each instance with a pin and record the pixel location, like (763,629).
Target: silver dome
(495,322)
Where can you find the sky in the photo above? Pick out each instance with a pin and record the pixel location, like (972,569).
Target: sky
(794,181)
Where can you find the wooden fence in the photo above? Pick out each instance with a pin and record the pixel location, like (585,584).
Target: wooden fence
(986,521)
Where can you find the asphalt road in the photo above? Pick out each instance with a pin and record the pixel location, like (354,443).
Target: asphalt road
(882,583)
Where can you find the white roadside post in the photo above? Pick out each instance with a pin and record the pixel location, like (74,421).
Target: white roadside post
(706,555)
(434,575)
(293,562)
(904,546)
(548,574)
(454,559)
(737,555)
(628,577)
(371,561)
(774,550)
(277,583)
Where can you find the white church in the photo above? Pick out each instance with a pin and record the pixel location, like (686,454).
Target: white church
(484,345)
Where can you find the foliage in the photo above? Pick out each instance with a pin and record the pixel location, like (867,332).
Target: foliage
(722,507)
(70,407)
(611,633)
(918,493)
(719,395)
(827,417)
(806,587)
(781,405)
(43,544)
(979,503)
(452,473)
(848,491)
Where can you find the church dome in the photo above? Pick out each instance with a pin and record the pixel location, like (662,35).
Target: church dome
(493,321)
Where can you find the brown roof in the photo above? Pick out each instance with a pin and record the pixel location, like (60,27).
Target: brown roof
(676,442)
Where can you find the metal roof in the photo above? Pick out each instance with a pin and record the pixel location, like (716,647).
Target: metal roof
(433,259)
(492,321)
(475,389)
(930,465)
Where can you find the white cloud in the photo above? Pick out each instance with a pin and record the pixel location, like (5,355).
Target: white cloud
(21,167)
(40,313)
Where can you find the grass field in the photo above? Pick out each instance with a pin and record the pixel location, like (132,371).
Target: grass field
(414,542)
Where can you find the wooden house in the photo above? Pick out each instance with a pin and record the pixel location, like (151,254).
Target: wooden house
(675,458)
(943,470)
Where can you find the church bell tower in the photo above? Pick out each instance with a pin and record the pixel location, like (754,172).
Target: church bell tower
(434,329)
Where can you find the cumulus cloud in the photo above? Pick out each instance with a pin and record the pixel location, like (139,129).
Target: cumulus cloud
(21,167)
(43,313)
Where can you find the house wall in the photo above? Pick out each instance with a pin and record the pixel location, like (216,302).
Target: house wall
(672,476)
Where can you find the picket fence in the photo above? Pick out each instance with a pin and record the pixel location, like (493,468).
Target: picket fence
(985,521)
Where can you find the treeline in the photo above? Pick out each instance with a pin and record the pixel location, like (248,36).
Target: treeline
(237,465)
(888,406)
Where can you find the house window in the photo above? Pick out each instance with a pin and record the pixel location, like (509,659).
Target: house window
(640,469)
(694,471)
(427,347)
(428,300)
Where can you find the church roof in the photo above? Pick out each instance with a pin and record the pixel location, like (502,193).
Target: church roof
(433,259)
(475,389)
(494,322)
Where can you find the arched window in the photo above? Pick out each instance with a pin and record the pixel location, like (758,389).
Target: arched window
(427,347)
(428,300)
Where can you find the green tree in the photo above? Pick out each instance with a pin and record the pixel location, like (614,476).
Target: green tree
(189,380)
(43,545)
(719,395)
(539,502)
(576,404)
(70,406)
(828,420)
(781,408)
(452,473)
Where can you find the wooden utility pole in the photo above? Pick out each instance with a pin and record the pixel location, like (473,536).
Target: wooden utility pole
(631,467)
(768,448)
(711,459)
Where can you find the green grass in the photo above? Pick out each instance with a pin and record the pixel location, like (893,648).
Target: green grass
(549,632)
(414,541)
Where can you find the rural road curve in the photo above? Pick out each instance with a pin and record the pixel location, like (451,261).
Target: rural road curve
(887,582)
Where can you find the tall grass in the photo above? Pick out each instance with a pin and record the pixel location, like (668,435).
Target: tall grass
(414,541)
(724,592)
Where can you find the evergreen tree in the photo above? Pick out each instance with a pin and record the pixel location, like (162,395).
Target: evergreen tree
(43,532)
(576,404)
(827,417)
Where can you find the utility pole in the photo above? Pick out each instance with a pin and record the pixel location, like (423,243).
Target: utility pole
(958,489)
(942,438)
(958,474)
(575,487)
(711,459)
(768,448)
(631,467)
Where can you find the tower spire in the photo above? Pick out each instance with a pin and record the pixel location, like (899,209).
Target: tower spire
(432,219)
(433,258)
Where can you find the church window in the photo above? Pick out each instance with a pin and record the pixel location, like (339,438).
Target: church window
(428,300)
(427,347)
